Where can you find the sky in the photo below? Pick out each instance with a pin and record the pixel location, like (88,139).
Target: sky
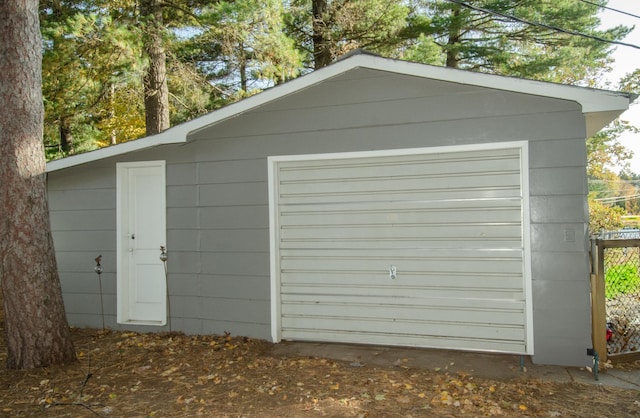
(627,59)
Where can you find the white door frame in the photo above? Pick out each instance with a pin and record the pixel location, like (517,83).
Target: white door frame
(272,167)
(127,246)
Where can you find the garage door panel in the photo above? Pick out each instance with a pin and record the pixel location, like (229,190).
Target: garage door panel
(425,185)
(439,166)
(427,328)
(512,203)
(409,339)
(415,217)
(402,293)
(416,280)
(406,313)
(450,224)
(417,253)
(382,264)
(479,242)
(468,302)
(452,232)
(402,195)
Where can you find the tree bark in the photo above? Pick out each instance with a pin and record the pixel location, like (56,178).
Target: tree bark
(454,40)
(321,45)
(156,92)
(66,137)
(35,322)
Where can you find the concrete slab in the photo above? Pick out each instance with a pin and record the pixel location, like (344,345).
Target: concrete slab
(486,365)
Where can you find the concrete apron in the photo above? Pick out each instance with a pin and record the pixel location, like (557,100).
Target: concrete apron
(485,365)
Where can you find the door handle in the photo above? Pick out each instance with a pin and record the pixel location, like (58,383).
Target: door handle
(392,272)
(163,254)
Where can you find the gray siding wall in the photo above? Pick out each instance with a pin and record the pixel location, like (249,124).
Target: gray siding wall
(217,199)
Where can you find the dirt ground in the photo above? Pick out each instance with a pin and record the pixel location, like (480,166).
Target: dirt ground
(172,375)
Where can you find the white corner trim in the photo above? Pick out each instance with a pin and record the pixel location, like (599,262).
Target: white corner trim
(274,251)
(526,242)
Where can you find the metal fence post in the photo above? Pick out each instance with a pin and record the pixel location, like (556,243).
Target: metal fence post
(598,308)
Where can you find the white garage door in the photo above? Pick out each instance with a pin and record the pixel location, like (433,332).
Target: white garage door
(417,248)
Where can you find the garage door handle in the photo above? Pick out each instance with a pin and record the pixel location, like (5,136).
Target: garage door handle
(392,272)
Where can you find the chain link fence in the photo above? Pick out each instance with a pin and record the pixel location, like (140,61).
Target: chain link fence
(621,264)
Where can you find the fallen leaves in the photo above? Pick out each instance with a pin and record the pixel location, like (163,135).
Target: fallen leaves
(178,375)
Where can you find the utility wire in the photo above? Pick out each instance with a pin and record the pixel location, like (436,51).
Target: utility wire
(603,181)
(610,8)
(617,198)
(542,25)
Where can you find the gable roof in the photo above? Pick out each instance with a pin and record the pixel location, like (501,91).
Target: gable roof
(600,107)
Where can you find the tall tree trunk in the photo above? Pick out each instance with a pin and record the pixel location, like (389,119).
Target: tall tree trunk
(112,111)
(66,137)
(243,69)
(453,42)
(156,92)
(35,323)
(321,45)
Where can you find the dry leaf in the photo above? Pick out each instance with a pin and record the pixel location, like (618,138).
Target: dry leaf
(168,371)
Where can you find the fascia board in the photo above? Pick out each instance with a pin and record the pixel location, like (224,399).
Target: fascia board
(169,136)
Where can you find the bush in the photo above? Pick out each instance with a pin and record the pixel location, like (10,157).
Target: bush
(604,217)
(621,279)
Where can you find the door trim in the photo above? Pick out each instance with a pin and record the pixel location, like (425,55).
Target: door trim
(122,279)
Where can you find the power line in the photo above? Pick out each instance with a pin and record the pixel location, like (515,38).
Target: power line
(604,181)
(606,200)
(542,25)
(610,8)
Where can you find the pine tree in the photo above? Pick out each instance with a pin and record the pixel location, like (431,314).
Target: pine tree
(35,322)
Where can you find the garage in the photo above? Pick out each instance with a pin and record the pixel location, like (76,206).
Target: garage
(372,201)
(419,247)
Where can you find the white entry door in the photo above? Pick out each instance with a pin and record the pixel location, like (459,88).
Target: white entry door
(141,219)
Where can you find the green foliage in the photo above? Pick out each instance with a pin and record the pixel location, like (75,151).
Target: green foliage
(424,50)
(604,217)
(374,25)
(476,40)
(621,279)
(219,52)
(84,55)
(253,47)
(631,82)
(604,150)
